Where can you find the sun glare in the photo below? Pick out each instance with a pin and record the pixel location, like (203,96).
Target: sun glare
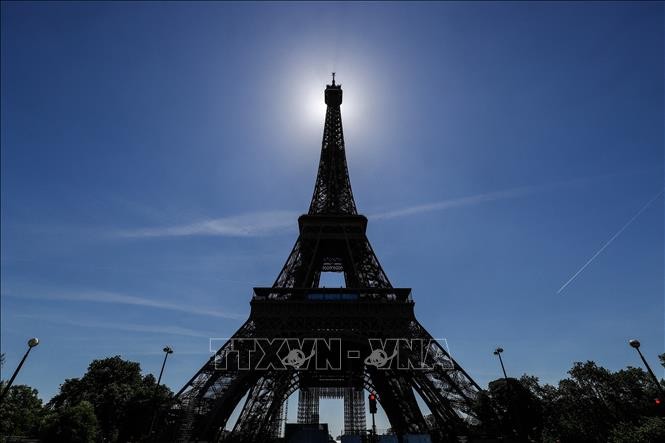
(305,106)
(311,105)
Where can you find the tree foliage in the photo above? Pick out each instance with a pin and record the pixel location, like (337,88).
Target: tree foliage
(510,409)
(123,400)
(592,405)
(20,412)
(73,424)
(114,402)
(646,430)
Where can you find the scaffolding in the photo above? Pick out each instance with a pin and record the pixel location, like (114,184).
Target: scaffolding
(354,406)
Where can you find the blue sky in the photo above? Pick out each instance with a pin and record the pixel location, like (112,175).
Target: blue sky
(155,157)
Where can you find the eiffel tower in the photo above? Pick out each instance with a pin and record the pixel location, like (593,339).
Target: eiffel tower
(363,325)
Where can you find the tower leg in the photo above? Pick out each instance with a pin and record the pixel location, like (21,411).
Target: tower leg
(260,417)
(395,394)
(308,406)
(354,411)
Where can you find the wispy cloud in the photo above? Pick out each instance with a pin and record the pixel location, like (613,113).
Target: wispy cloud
(609,242)
(245,225)
(115,298)
(458,202)
(153,329)
(477,199)
(273,222)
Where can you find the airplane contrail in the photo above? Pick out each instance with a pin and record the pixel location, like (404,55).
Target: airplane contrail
(618,233)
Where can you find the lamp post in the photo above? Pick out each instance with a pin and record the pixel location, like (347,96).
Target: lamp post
(167,350)
(636,344)
(498,352)
(31,344)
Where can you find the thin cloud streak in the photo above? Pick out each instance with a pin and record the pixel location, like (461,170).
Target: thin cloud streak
(472,200)
(171,330)
(273,222)
(245,225)
(122,299)
(609,242)
(458,202)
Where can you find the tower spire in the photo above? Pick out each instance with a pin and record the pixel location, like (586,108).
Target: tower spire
(332,191)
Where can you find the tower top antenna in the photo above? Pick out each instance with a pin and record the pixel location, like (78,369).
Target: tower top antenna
(333,79)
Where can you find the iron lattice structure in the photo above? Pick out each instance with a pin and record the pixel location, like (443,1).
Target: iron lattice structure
(332,239)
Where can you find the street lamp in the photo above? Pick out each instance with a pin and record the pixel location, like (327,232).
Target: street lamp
(31,344)
(636,344)
(498,352)
(167,350)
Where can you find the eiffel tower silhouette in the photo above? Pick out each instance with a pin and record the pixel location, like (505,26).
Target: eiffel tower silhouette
(327,342)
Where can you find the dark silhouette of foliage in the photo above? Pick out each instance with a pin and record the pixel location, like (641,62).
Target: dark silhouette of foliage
(20,412)
(510,409)
(123,399)
(114,402)
(72,424)
(592,405)
(646,430)
(485,410)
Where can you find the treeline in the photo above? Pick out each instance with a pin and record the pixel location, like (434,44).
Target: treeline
(114,402)
(592,405)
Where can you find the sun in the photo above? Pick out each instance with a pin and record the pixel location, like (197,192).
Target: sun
(314,108)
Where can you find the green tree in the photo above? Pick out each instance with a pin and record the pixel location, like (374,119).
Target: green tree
(71,424)
(587,405)
(485,411)
(123,400)
(21,411)
(646,430)
(510,409)
(546,394)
